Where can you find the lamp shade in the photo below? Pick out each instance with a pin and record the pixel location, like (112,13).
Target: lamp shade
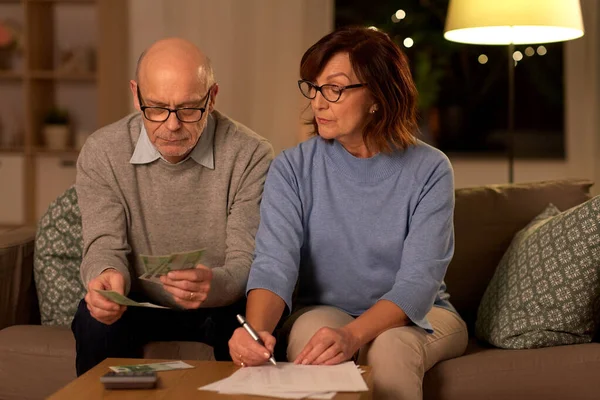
(513,21)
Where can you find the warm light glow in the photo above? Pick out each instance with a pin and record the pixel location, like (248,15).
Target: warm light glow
(372,27)
(483,59)
(400,14)
(513,21)
(529,51)
(542,50)
(395,19)
(517,56)
(408,42)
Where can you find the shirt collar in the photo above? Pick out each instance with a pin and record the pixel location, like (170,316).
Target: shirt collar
(202,153)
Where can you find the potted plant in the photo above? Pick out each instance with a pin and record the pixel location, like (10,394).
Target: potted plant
(10,43)
(56,129)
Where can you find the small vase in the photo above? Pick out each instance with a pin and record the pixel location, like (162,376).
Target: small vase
(56,137)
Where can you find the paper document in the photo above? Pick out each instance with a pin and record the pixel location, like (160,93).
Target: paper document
(288,380)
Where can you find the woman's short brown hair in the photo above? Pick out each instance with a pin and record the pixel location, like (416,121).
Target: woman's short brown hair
(378,62)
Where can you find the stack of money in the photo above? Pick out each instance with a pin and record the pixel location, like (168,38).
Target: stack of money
(155,266)
(162,366)
(124,300)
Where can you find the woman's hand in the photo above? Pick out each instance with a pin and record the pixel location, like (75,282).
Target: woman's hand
(329,346)
(246,352)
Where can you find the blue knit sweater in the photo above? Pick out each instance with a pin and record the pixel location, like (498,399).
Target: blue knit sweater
(352,231)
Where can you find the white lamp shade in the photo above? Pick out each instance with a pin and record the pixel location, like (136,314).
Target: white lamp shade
(513,21)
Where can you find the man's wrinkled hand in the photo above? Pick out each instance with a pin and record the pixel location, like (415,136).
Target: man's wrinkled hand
(189,287)
(100,307)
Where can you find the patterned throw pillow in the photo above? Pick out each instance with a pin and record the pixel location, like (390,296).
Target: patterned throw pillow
(546,288)
(58,252)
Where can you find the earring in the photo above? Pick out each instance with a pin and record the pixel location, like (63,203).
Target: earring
(374,108)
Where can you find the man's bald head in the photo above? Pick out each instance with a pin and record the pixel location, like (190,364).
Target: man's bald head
(174,75)
(175,54)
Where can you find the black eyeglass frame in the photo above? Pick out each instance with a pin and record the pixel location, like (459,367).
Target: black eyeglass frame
(173,110)
(320,89)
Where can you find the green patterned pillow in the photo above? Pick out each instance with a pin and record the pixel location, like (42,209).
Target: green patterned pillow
(58,252)
(545,290)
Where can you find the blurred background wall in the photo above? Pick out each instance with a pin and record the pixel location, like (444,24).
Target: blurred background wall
(255,47)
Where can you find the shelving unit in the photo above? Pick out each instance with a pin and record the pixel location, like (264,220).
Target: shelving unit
(31,175)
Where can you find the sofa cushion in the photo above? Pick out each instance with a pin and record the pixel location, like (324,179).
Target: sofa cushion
(35,361)
(551,373)
(58,252)
(485,220)
(547,285)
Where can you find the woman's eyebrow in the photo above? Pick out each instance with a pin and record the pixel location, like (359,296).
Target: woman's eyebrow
(337,74)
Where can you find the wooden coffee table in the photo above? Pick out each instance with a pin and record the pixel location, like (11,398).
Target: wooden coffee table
(178,384)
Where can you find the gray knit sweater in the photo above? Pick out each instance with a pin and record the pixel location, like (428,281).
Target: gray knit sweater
(161,208)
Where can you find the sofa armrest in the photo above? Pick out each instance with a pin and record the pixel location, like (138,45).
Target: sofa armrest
(18,298)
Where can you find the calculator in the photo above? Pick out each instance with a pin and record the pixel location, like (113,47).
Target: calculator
(129,380)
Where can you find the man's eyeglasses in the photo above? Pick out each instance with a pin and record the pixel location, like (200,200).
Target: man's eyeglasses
(330,92)
(184,114)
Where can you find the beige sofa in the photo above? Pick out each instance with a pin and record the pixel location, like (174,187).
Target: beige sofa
(36,360)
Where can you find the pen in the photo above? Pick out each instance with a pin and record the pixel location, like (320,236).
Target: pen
(254,335)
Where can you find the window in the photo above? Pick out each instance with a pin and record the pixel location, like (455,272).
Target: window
(463,88)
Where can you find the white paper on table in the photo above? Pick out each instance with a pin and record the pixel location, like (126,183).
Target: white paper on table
(292,381)
(288,395)
(216,387)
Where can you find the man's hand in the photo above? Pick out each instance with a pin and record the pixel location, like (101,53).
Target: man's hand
(189,287)
(328,346)
(246,352)
(99,306)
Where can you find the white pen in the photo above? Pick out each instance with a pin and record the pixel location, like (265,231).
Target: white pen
(254,335)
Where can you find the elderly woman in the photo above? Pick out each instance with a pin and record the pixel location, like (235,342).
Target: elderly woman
(356,228)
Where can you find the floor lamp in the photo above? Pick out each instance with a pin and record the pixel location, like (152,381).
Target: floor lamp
(511,22)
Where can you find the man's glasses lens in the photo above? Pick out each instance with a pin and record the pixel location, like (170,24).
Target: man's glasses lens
(159,114)
(156,114)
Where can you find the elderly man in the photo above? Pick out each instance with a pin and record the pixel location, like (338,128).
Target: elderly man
(177,176)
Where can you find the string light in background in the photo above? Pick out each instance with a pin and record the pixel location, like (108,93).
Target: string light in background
(398,16)
(517,56)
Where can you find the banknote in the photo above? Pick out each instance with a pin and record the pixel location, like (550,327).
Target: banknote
(162,366)
(124,300)
(155,266)
(184,260)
